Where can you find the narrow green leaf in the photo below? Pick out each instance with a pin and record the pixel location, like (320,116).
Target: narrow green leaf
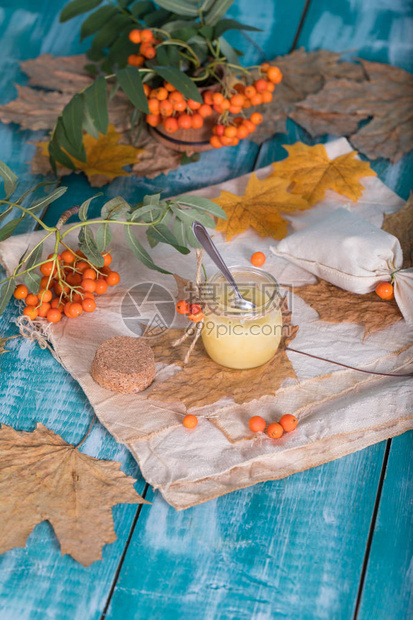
(157,18)
(190,215)
(131,83)
(181,82)
(207,32)
(139,251)
(77,7)
(104,237)
(228,51)
(47,200)
(146,214)
(179,231)
(85,206)
(8,229)
(96,20)
(72,118)
(231,24)
(88,125)
(32,279)
(217,10)
(207,5)
(96,103)
(110,32)
(6,293)
(184,34)
(5,213)
(161,233)
(180,7)
(204,204)
(192,240)
(139,9)
(115,208)
(87,244)
(61,139)
(9,178)
(56,154)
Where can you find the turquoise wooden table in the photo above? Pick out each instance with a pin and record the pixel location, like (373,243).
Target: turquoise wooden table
(332,542)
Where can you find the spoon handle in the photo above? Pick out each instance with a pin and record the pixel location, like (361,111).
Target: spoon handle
(209,246)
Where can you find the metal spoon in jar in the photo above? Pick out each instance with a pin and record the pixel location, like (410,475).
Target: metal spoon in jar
(205,240)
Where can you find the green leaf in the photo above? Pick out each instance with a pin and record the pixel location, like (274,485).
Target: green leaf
(9,178)
(88,125)
(110,31)
(8,229)
(228,51)
(6,293)
(131,83)
(5,213)
(192,240)
(115,209)
(104,237)
(181,81)
(139,251)
(231,24)
(161,233)
(72,117)
(61,139)
(87,244)
(217,10)
(203,204)
(47,200)
(85,206)
(180,7)
(139,9)
(32,279)
(77,7)
(56,154)
(189,215)
(207,32)
(96,20)
(96,103)
(157,18)
(184,34)
(179,231)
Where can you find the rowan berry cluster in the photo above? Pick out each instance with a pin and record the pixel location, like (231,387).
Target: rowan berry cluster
(68,286)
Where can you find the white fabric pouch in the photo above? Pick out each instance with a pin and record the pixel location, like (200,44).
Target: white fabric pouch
(352,254)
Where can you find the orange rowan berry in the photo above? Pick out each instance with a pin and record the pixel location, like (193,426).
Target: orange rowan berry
(270,87)
(82,265)
(46,282)
(237,100)
(169,87)
(135,36)
(146,89)
(53,315)
(161,93)
(193,105)
(63,289)
(225,105)
(74,279)
(205,110)
(218,109)
(256,118)
(88,305)
(89,274)
(153,105)
(48,268)
(185,121)
(256,99)
(43,309)
(274,75)
(180,106)
(31,312)
(260,85)
(107,259)
(258,259)
(196,318)
(264,67)
(234,109)
(246,104)
(250,91)
(235,141)
(182,307)
(31,300)
(257,424)
(208,98)
(56,304)
(21,291)
(385,290)
(148,51)
(75,309)
(113,278)
(66,309)
(239,87)
(242,132)
(217,98)
(220,130)
(275,430)
(215,142)
(146,36)
(88,285)
(225,141)
(230,131)
(170,125)
(77,297)
(136,60)
(57,256)
(68,257)
(266,97)
(176,96)
(288,422)
(101,286)
(153,119)
(249,125)
(45,295)
(166,108)
(190,421)
(88,295)
(197,121)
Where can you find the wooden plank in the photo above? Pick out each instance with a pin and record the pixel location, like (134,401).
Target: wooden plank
(388,588)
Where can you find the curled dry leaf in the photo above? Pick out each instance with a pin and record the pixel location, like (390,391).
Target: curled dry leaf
(386,97)
(334,305)
(214,382)
(400,224)
(312,172)
(44,478)
(260,207)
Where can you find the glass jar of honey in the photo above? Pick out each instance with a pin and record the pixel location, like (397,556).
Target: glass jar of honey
(237,338)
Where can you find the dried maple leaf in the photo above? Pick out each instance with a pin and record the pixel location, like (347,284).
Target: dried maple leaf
(400,224)
(334,305)
(312,172)
(260,207)
(64,73)
(44,478)
(105,157)
(203,382)
(303,73)
(387,97)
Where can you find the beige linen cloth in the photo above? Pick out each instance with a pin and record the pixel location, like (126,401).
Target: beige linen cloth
(339,410)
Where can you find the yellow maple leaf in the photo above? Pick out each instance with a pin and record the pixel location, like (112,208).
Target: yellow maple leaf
(260,207)
(312,172)
(105,157)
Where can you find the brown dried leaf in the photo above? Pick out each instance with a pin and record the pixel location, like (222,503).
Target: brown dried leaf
(34,109)
(156,158)
(304,73)
(334,305)
(387,96)
(400,224)
(203,382)
(64,73)
(44,478)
